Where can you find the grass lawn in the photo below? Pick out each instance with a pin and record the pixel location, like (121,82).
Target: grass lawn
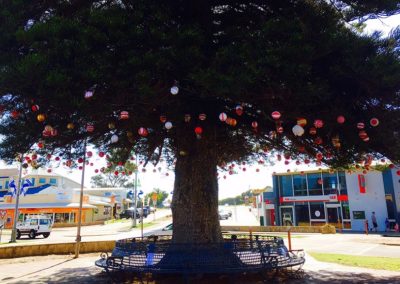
(385,263)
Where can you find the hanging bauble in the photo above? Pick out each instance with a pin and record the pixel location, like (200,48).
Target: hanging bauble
(101,154)
(198,130)
(168,125)
(298,130)
(143,132)
(68,163)
(257,170)
(202,116)
(70,126)
(254,124)
(124,115)
(306,161)
(89,153)
(174,90)
(80,160)
(340,119)
(53,132)
(111,125)
(47,131)
(287,162)
(297,163)
(163,118)
(114,138)
(318,140)
(374,122)
(286,156)
(278,157)
(49,170)
(302,122)
(276,115)
(187,117)
(279,129)
(14,114)
(57,158)
(362,134)
(313,131)
(366,139)
(239,110)
(391,166)
(223,116)
(318,123)
(40,145)
(88,94)
(360,125)
(398,173)
(116,173)
(34,108)
(336,141)
(89,127)
(96,171)
(319,156)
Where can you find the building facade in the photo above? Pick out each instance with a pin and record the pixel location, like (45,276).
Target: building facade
(341,199)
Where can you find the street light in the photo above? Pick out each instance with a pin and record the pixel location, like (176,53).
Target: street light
(78,232)
(16,211)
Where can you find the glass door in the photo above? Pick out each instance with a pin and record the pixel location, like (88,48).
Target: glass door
(287,216)
(334,216)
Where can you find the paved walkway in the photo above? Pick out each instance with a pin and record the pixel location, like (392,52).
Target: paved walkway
(65,269)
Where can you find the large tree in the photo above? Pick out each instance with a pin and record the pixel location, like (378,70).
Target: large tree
(175,66)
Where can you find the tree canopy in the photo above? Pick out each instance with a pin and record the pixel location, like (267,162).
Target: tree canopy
(202,83)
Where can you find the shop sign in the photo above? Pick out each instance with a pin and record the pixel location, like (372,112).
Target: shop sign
(314,198)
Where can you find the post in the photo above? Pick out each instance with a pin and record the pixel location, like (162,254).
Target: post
(141,217)
(78,232)
(135,193)
(289,239)
(366,227)
(16,211)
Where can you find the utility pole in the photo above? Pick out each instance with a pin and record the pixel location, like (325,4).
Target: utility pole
(78,233)
(16,211)
(135,192)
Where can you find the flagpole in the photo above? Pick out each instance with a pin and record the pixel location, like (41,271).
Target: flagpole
(78,233)
(16,211)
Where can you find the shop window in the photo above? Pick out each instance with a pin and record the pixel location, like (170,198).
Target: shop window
(317,211)
(302,215)
(314,184)
(299,185)
(1,184)
(42,180)
(61,217)
(330,183)
(286,187)
(342,183)
(345,211)
(53,181)
(287,216)
(6,185)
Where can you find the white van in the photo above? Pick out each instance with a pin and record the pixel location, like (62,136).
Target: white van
(35,226)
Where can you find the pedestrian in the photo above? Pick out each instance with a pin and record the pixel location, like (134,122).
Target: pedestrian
(387,225)
(374,222)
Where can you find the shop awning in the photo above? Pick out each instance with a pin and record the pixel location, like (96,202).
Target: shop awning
(45,205)
(98,202)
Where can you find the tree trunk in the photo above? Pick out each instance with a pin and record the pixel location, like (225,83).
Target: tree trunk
(195,199)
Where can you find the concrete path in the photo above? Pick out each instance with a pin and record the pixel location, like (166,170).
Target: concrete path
(65,269)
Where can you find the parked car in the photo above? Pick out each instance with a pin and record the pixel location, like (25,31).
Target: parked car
(150,209)
(128,213)
(35,226)
(223,215)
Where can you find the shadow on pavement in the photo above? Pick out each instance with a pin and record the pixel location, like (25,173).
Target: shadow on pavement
(94,275)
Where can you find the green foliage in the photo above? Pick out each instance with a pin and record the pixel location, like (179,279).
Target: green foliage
(298,57)
(108,176)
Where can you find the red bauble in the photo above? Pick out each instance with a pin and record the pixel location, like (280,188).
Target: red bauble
(318,140)
(398,172)
(318,123)
(257,170)
(286,162)
(89,154)
(124,115)
(49,170)
(163,118)
(391,166)
(15,114)
(48,156)
(34,157)
(80,160)
(96,171)
(374,122)
(360,125)
(362,134)
(198,130)
(313,131)
(239,110)
(254,124)
(276,115)
(35,108)
(340,119)
(101,154)
(116,173)
(143,132)
(40,145)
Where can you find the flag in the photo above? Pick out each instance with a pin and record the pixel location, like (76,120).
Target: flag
(12,185)
(27,183)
